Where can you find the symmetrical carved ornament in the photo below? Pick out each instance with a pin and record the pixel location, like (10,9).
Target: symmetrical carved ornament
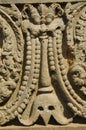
(42,62)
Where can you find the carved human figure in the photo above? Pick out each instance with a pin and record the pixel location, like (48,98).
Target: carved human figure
(78,76)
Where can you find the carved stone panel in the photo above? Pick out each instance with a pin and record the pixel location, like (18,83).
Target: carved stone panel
(42,62)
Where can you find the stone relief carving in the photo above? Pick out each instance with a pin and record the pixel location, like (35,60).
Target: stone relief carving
(10,57)
(42,61)
(76,59)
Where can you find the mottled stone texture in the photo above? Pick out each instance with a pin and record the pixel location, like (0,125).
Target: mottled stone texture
(43,64)
(37,1)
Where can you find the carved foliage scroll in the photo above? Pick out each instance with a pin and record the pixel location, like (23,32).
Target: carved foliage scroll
(76,39)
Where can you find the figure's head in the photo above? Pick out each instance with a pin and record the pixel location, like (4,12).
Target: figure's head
(78,74)
(49,18)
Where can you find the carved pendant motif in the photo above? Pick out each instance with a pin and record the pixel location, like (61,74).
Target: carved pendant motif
(43,28)
(42,61)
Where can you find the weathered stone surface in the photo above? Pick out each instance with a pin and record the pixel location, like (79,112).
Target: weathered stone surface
(68,127)
(43,64)
(37,1)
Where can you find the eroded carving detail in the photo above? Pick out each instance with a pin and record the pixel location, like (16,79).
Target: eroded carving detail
(76,39)
(11,59)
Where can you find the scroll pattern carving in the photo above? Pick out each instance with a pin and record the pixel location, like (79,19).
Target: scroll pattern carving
(76,44)
(42,61)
